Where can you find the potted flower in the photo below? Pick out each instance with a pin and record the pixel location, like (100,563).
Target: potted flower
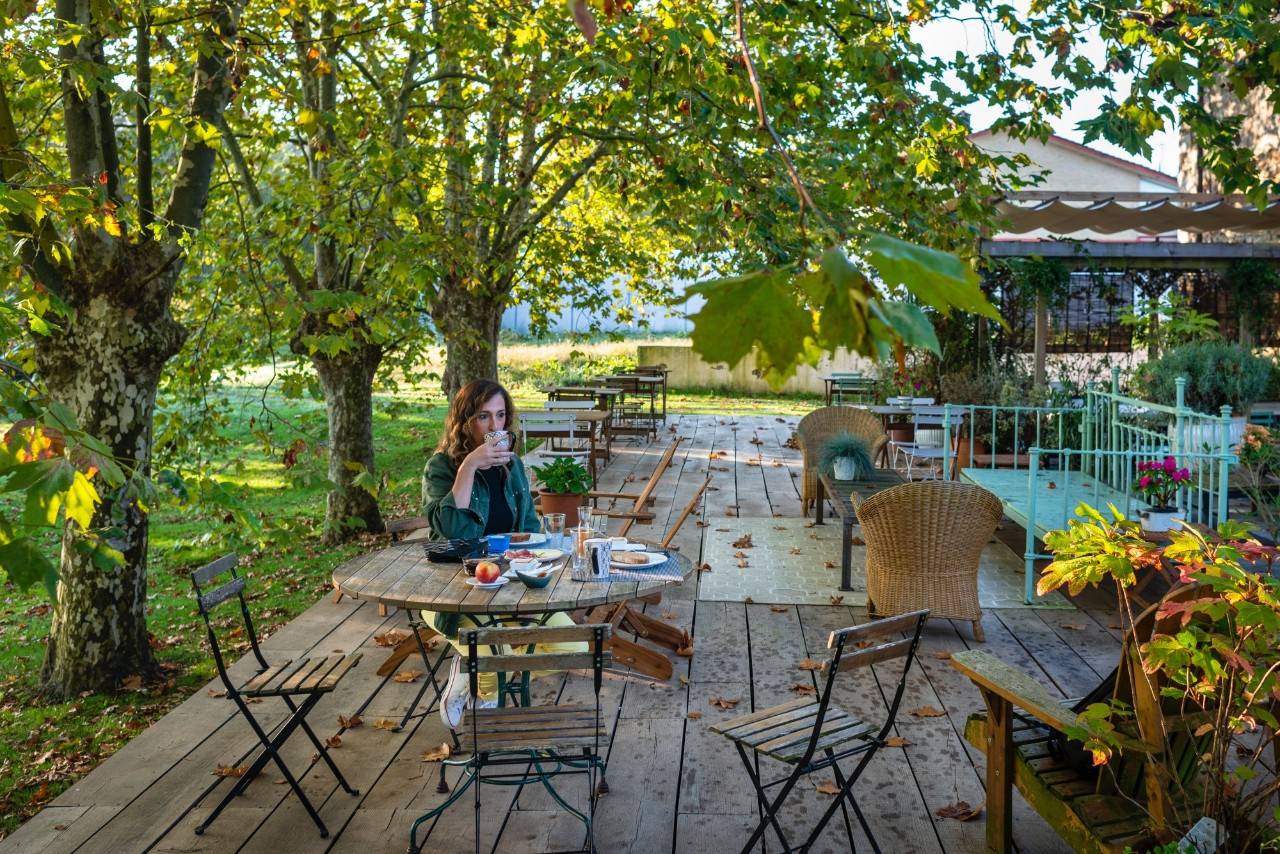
(845,456)
(1158,483)
(564,482)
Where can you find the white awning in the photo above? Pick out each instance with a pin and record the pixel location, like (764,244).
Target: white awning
(1149,213)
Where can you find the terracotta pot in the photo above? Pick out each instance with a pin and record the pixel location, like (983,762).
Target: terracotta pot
(901,432)
(964,451)
(562,502)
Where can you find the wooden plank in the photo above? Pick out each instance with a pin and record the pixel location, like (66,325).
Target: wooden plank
(518,636)
(1012,685)
(203,575)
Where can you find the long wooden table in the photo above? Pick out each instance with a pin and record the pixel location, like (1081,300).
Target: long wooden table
(842,493)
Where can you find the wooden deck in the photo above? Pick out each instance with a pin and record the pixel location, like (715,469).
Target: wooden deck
(675,786)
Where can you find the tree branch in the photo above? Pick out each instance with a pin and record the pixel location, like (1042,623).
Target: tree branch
(31,250)
(142,157)
(553,201)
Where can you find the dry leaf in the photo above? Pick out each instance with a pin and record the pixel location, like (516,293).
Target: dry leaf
(729,511)
(739,554)
(436,754)
(216,694)
(795,550)
(684,680)
(743,563)
(809,664)
(804,689)
(960,810)
(836,600)
(927,712)
(743,542)
(333,741)
(408,675)
(668,615)
(694,716)
(132,683)
(1075,627)
(827,787)
(1203,729)
(280,781)
(383,723)
(706,567)
(779,609)
(896,741)
(857,541)
(350,722)
(1053,485)
(722,703)
(390,638)
(942,656)
(863,644)
(810,524)
(221,770)
(722,530)
(748,600)
(830,564)
(702,524)
(685,652)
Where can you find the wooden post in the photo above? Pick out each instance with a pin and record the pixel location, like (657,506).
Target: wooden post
(1042,339)
(999,773)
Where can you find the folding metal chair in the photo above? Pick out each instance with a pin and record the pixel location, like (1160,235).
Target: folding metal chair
(796,732)
(924,456)
(535,743)
(308,679)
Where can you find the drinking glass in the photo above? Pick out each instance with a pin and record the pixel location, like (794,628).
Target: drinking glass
(553,529)
(599,523)
(585,512)
(581,571)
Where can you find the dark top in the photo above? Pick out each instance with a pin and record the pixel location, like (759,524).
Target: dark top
(449,521)
(500,520)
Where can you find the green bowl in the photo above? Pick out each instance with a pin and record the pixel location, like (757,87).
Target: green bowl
(535,581)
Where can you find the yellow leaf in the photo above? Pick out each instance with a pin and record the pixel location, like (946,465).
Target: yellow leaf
(111,224)
(306,118)
(81,499)
(708,36)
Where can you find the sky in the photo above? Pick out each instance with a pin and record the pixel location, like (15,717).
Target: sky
(944,37)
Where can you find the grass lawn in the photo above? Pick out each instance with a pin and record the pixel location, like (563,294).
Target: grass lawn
(44,747)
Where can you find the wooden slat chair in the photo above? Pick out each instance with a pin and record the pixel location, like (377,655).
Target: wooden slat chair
(530,744)
(639,511)
(811,734)
(1112,808)
(306,680)
(821,424)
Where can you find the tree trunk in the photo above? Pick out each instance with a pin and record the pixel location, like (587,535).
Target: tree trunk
(105,366)
(469,322)
(1041,340)
(347,380)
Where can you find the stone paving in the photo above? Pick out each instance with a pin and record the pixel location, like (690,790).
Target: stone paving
(795,562)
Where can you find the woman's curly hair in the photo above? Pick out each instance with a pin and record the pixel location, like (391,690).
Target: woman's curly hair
(456,441)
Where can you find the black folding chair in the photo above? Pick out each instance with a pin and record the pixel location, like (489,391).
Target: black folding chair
(308,679)
(547,741)
(797,732)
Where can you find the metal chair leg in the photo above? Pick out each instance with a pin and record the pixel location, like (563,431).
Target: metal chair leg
(769,815)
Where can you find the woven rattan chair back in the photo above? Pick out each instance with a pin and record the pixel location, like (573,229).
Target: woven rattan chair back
(820,425)
(924,543)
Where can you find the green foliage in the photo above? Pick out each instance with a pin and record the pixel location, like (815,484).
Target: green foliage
(1043,277)
(1254,286)
(1218,374)
(846,445)
(572,368)
(1259,454)
(564,476)
(1216,658)
(1161,323)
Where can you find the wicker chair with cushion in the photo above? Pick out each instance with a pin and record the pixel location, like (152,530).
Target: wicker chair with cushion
(819,426)
(924,541)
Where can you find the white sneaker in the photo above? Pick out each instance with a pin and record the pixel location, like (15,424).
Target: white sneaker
(487,704)
(456,694)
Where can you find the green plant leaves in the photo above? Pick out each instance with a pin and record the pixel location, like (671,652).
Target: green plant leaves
(938,279)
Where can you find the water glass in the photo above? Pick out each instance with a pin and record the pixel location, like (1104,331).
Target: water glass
(585,512)
(553,529)
(581,568)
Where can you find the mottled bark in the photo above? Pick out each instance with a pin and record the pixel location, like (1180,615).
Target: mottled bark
(105,366)
(469,324)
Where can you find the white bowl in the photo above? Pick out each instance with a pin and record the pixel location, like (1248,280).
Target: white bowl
(530,565)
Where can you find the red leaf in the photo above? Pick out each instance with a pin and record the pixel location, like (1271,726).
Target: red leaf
(585,20)
(102,177)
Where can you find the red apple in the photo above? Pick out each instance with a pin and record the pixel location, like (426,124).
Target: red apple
(487,572)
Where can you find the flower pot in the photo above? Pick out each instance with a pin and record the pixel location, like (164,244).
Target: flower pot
(562,502)
(845,468)
(901,432)
(966,450)
(1158,520)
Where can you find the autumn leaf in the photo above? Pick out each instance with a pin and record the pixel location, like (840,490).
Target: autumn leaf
(927,712)
(408,675)
(747,600)
(836,600)
(1203,729)
(960,811)
(132,683)
(942,656)
(779,609)
(1075,627)
(896,741)
(350,722)
(390,638)
(221,770)
(684,680)
(584,20)
(437,754)
(809,664)
(333,741)
(743,563)
(705,567)
(723,703)
(829,564)
(216,694)
(804,689)
(795,550)
(743,542)
(685,652)
(729,511)
(857,541)
(827,787)
(739,554)
(694,716)
(383,723)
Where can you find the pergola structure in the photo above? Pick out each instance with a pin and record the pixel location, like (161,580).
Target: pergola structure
(1064,213)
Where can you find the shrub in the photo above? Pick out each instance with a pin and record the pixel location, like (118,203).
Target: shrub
(845,445)
(1218,374)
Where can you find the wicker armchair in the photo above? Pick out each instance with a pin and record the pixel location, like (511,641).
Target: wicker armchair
(819,426)
(924,541)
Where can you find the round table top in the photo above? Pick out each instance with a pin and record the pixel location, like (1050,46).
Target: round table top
(402,576)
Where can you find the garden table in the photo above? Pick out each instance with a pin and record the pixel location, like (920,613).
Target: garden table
(843,494)
(402,576)
(638,385)
(837,385)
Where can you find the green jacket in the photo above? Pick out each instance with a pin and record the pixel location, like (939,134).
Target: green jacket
(448,520)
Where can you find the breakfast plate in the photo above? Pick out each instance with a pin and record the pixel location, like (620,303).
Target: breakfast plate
(530,539)
(493,585)
(654,558)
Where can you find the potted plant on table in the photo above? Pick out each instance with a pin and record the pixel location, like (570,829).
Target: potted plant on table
(1158,483)
(564,481)
(846,456)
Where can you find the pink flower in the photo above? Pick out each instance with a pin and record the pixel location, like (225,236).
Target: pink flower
(1170,464)
(1182,474)
(1145,481)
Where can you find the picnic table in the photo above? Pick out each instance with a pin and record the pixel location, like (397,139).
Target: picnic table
(837,385)
(843,494)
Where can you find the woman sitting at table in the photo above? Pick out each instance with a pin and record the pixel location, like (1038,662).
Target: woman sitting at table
(472,488)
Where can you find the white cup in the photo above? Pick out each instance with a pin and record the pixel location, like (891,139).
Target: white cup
(599,553)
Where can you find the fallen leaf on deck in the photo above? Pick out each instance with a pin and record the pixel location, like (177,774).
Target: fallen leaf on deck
(795,550)
(408,676)
(747,600)
(221,770)
(927,712)
(722,530)
(1053,485)
(779,609)
(685,652)
(216,694)
(776,464)
(756,440)
(668,615)
(803,689)
(723,703)
(743,564)
(706,567)
(1075,627)
(333,741)
(684,680)
(694,716)
(436,754)
(836,600)
(132,683)
(383,723)
(960,810)
(743,542)
(896,741)
(942,656)
(810,524)
(829,565)
(827,787)
(702,524)
(390,638)
(280,781)
(809,664)
(739,554)
(857,541)
(729,511)
(350,722)
(863,644)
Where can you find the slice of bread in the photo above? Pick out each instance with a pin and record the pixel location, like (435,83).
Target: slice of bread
(631,558)
(520,538)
